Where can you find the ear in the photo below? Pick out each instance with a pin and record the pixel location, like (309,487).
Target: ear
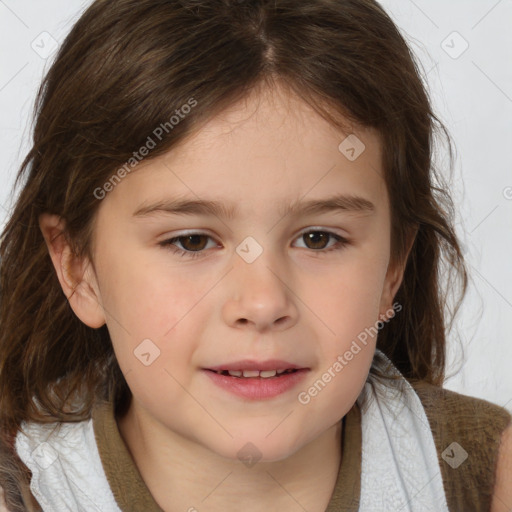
(394,277)
(77,277)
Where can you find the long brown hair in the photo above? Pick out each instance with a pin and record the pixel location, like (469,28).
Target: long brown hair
(123,71)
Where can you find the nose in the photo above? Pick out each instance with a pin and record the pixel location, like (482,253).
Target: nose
(260,296)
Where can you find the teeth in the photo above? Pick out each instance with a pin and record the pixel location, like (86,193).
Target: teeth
(265,374)
(251,373)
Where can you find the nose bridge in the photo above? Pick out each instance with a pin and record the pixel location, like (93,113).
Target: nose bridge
(257,268)
(260,295)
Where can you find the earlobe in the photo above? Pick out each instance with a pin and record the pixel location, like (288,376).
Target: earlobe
(76,277)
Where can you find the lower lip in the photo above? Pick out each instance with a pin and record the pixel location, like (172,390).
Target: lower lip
(258,388)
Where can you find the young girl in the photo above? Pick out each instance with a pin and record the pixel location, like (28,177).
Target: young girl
(221,281)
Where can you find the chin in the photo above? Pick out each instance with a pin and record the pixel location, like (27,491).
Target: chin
(251,449)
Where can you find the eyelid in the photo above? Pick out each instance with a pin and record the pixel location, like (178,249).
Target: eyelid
(169,242)
(341,241)
(307,229)
(324,229)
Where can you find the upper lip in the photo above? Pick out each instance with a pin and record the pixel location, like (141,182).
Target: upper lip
(250,364)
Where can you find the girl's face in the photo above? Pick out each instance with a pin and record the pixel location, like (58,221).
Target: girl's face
(259,286)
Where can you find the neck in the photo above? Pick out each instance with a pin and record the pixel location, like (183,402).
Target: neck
(184,476)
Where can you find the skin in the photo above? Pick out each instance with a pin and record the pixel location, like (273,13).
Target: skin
(502,496)
(295,302)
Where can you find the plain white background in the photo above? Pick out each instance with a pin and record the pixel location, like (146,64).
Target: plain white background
(465,48)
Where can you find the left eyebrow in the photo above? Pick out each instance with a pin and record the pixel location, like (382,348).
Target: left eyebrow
(340,203)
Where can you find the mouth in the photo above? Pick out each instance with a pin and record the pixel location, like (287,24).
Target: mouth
(255,374)
(257,380)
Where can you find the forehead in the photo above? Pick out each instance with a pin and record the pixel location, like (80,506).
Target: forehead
(271,148)
(272,120)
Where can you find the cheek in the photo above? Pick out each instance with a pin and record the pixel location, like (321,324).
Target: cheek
(151,312)
(349,304)
(347,299)
(146,298)
(335,388)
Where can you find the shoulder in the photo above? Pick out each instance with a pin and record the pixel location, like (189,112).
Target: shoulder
(502,497)
(469,433)
(472,417)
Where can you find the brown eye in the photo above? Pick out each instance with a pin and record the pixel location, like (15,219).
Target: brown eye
(190,246)
(321,242)
(316,239)
(193,242)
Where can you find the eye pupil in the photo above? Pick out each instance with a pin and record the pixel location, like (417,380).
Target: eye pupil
(314,236)
(194,239)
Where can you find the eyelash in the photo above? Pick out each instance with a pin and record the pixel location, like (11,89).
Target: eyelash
(169,244)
